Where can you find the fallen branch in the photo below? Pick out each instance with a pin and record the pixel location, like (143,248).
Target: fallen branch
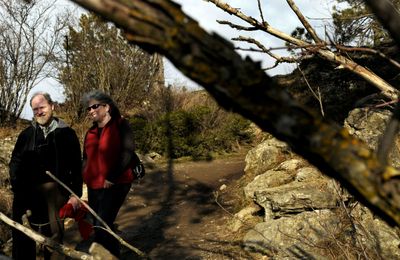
(107,227)
(39,238)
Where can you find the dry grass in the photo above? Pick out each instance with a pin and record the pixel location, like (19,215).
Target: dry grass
(5,208)
(5,192)
(6,131)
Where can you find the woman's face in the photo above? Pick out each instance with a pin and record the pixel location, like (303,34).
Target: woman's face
(97,111)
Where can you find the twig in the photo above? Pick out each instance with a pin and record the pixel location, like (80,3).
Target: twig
(266,50)
(107,228)
(350,218)
(261,11)
(237,27)
(387,89)
(318,97)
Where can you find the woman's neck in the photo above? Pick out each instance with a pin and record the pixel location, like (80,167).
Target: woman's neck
(105,120)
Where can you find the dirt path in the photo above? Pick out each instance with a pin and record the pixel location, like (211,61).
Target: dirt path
(173,214)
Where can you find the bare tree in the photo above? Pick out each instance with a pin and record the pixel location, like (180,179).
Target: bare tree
(29,36)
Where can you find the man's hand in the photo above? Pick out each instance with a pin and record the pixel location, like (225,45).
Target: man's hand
(74,202)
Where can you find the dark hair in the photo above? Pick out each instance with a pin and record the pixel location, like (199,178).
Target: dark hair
(102,98)
(41,93)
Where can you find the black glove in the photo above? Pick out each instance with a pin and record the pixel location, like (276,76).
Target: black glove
(139,171)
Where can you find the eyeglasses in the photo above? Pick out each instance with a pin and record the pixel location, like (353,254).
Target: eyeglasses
(94,106)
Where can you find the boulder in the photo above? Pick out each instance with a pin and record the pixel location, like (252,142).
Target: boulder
(265,156)
(308,215)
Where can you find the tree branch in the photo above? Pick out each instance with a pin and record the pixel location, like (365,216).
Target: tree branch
(265,50)
(369,50)
(261,11)
(240,85)
(39,238)
(387,90)
(237,27)
(304,21)
(106,227)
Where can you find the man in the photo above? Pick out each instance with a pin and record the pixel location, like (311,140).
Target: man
(48,144)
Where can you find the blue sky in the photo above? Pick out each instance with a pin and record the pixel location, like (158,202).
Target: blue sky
(276,12)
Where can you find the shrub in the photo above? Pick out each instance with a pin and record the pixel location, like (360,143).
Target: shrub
(197,132)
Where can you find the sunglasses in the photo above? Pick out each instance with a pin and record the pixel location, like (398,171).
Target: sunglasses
(94,106)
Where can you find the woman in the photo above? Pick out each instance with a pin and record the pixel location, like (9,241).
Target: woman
(107,158)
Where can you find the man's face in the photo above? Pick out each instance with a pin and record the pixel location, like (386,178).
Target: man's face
(42,110)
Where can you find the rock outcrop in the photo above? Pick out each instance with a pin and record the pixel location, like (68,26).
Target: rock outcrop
(309,215)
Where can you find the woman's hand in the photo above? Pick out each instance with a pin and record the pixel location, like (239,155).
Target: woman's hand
(107,184)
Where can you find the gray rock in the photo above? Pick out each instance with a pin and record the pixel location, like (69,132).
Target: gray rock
(296,197)
(369,125)
(307,214)
(265,156)
(271,178)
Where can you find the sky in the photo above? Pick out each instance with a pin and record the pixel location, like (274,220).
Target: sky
(276,12)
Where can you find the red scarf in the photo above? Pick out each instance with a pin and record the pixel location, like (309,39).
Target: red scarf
(103,155)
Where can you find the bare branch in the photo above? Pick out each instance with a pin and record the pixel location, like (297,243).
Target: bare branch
(387,90)
(261,11)
(39,238)
(243,87)
(265,50)
(369,50)
(29,37)
(304,21)
(236,26)
(107,227)
(236,12)
(316,96)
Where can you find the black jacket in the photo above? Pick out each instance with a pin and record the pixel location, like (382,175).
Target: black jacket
(58,153)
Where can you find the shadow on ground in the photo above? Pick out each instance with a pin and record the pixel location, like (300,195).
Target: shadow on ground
(172,213)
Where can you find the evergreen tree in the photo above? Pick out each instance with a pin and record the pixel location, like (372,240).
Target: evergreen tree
(355,24)
(99,57)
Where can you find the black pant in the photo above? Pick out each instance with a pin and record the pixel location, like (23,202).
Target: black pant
(44,201)
(106,203)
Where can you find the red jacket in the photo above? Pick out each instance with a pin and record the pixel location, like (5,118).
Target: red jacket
(108,156)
